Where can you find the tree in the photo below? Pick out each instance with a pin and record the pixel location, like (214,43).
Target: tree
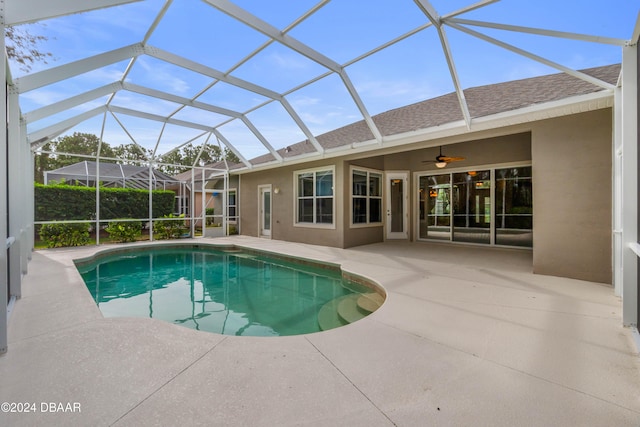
(71,149)
(186,157)
(131,153)
(23,47)
(79,143)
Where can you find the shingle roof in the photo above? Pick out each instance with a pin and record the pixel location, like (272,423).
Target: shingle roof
(482,101)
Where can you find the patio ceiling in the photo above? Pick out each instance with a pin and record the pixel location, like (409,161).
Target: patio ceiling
(259,76)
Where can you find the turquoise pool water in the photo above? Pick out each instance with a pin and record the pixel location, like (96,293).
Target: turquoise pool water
(226,291)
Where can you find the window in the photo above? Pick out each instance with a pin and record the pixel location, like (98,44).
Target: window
(514,207)
(181,205)
(314,200)
(366,197)
(493,206)
(471,202)
(231,205)
(435,207)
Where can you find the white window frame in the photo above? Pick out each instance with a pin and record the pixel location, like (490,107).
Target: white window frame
(368,171)
(296,174)
(490,167)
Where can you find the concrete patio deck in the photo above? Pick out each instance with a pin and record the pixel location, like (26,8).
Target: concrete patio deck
(467,336)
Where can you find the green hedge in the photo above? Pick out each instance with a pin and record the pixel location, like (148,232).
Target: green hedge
(67,202)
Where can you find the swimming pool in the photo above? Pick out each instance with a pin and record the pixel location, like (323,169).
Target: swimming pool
(226,290)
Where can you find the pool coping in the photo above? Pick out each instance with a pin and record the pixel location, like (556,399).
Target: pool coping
(348,276)
(466,336)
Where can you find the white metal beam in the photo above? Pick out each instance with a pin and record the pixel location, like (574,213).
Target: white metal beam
(617,198)
(292,112)
(629,173)
(436,20)
(572,72)
(469,8)
(539,31)
(71,102)
(179,100)
(363,110)
(208,71)
(25,11)
(272,32)
(265,28)
(145,39)
(189,141)
(231,147)
(41,136)
(158,118)
(72,69)
(183,123)
(427,8)
(133,140)
(16,201)
(261,138)
(4,185)
(635,37)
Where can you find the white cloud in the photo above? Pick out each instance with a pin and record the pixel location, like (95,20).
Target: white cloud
(288,61)
(42,97)
(304,101)
(163,75)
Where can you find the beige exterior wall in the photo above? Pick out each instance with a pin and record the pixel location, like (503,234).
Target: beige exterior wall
(571,159)
(282,214)
(572,196)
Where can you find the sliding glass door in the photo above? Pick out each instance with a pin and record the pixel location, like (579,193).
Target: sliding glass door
(514,207)
(435,207)
(492,206)
(471,195)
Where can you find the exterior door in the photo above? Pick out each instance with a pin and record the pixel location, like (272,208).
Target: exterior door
(397,200)
(265,211)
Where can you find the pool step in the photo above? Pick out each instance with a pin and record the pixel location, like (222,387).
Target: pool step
(370,302)
(348,309)
(328,315)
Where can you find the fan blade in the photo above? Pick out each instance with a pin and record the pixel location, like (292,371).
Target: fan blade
(451,159)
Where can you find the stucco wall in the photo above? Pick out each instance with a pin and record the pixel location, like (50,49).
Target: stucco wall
(282,224)
(572,196)
(571,159)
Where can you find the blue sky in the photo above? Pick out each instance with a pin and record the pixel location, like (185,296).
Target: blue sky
(407,72)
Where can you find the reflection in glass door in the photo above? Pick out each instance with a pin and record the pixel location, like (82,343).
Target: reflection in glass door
(397,206)
(514,207)
(471,195)
(265,210)
(435,207)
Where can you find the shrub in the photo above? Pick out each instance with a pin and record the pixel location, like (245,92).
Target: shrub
(208,212)
(65,234)
(168,229)
(124,231)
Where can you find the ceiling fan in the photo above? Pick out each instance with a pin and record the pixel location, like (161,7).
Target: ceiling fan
(442,161)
